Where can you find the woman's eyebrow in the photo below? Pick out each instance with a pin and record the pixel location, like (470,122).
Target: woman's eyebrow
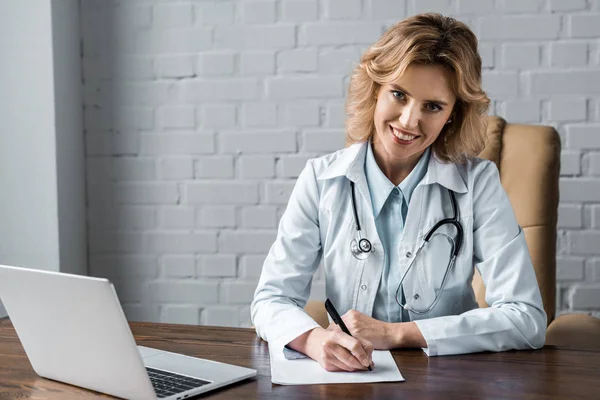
(397,87)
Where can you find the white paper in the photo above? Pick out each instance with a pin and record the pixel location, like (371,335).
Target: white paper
(306,371)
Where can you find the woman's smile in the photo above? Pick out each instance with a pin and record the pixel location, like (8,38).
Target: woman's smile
(402,137)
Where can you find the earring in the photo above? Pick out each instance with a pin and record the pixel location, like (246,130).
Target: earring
(448,121)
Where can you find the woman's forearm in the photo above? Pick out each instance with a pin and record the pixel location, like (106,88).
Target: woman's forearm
(406,335)
(305,342)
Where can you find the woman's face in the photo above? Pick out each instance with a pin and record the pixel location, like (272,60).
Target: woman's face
(411,113)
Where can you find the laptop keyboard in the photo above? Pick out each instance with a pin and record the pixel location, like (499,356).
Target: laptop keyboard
(167,383)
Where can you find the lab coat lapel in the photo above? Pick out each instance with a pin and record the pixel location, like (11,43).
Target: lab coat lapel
(444,173)
(372,267)
(351,164)
(431,192)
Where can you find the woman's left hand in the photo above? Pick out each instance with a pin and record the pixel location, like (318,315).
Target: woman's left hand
(364,327)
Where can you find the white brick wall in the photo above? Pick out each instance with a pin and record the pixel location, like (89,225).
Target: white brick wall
(199,116)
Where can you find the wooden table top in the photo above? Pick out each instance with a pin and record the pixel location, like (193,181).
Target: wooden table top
(548,373)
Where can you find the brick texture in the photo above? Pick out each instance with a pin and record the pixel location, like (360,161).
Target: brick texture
(199,116)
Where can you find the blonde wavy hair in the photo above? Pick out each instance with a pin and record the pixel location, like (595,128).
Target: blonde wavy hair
(425,39)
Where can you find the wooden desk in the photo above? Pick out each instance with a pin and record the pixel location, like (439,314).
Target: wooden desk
(549,373)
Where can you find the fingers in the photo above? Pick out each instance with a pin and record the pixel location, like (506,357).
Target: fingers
(362,349)
(351,317)
(348,359)
(368,347)
(333,364)
(341,352)
(327,358)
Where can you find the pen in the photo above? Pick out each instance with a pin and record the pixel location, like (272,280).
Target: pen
(338,320)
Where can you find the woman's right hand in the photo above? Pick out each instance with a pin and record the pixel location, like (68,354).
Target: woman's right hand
(336,351)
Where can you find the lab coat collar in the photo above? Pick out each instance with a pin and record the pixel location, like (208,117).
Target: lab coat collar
(444,173)
(350,163)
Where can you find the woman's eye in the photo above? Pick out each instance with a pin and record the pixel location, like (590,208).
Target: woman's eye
(398,94)
(434,107)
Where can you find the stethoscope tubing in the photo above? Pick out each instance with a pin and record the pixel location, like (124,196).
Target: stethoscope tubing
(363,246)
(360,249)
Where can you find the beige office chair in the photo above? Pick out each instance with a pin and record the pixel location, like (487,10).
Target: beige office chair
(528,158)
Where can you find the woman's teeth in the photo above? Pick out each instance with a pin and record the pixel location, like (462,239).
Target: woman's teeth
(402,136)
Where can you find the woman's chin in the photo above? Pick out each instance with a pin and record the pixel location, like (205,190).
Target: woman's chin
(404,153)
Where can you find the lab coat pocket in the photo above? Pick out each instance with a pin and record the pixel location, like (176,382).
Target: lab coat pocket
(429,268)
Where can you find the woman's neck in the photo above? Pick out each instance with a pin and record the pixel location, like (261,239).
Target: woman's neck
(396,170)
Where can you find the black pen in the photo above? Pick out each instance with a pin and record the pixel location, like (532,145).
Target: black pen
(338,320)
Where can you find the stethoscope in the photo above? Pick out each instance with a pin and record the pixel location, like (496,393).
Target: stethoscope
(361,249)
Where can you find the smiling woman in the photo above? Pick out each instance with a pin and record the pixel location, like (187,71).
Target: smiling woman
(401,217)
(447,49)
(407,124)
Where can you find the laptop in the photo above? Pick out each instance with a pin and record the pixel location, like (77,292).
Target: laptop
(73,330)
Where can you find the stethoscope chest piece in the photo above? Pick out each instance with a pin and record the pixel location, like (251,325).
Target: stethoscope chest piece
(361,249)
(365,245)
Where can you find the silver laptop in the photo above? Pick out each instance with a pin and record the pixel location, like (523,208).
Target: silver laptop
(74,330)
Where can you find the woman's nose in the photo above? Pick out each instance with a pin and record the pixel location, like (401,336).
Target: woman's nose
(409,119)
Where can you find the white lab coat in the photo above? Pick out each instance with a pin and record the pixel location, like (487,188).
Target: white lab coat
(318,224)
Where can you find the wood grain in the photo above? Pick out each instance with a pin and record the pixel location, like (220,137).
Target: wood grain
(548,373)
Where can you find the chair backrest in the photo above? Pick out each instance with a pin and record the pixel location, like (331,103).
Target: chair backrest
(528,158)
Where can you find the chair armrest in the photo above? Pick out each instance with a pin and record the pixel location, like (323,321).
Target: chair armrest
(316,310)
(579,331)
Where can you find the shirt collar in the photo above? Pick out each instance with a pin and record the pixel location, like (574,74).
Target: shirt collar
(380,186)
(408,185)
(350,163)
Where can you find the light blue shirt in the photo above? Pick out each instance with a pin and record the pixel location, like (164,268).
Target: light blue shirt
(390,206)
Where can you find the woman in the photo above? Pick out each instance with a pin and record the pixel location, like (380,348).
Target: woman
(416,118)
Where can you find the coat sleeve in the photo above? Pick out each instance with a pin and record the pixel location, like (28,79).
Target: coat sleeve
(277,310)
(516,318)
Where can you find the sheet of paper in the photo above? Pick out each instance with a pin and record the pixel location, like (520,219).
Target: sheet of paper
(306,371)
